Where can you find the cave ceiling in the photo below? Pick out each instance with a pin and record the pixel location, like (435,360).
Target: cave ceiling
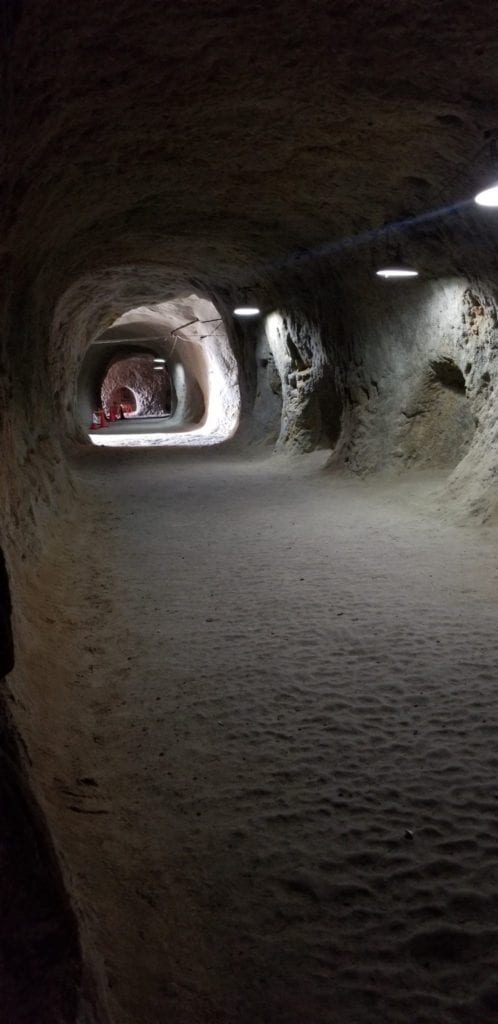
(220,139)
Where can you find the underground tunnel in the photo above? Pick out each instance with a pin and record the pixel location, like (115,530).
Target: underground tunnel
(178,362)
(249,506)
(135,385)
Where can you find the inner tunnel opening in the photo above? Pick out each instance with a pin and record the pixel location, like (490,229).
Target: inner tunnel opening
(176,361)
(125,400)
(136,385)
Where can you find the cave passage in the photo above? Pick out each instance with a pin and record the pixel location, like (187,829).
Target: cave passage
(137,385)
(248,512)
(176,359)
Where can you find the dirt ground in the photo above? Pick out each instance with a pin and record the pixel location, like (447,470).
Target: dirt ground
(261,715)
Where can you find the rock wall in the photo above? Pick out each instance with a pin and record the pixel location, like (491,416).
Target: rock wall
(311,405)
(6,638)
(391,376)
(41,966)
(419,379)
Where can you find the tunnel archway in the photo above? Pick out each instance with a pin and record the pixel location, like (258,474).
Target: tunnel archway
(198,341)
(191,371)
(124,399)
(138,382)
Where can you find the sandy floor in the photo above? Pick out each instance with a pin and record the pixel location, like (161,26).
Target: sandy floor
(264,729)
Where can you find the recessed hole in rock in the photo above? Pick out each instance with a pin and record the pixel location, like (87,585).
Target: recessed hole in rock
(447,373)
(439,424)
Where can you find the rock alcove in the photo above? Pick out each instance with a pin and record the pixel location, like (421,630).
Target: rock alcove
(440,423)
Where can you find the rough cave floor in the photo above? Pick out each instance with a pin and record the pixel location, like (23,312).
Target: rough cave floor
(264,736)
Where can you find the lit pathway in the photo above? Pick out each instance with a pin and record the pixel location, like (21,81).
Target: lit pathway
(153,432)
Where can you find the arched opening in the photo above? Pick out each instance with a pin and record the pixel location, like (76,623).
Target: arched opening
(136,384)
(124,400)
(184,383)
(438,423)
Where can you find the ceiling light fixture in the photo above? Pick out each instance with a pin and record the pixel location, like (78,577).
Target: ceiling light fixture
(397,271)
(247,311)
(159,361)
(393,264)
(489,196)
